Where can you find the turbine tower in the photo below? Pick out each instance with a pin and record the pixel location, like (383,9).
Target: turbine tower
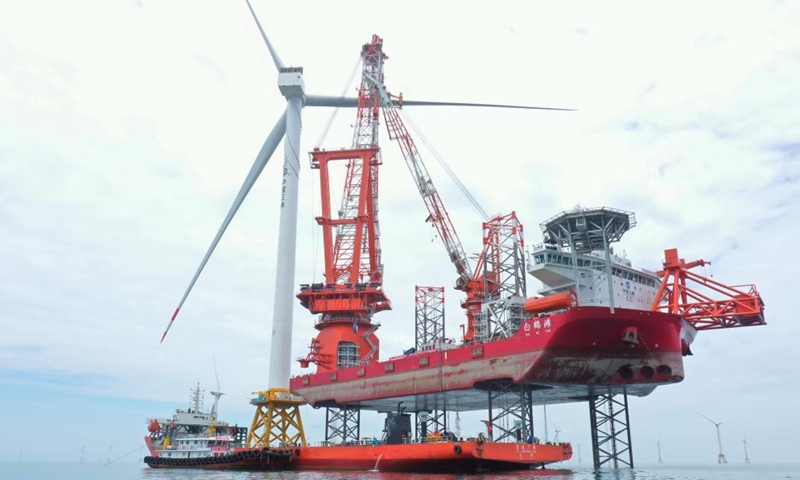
(721,456)
(277,419)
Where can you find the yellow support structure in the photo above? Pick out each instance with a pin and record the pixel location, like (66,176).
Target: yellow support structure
(277,419)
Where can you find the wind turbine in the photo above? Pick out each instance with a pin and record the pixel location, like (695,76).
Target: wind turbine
(216,394)
(744,441)
(278,400)
(660,461)
(721,456)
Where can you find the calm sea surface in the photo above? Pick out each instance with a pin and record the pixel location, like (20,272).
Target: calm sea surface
(130,471)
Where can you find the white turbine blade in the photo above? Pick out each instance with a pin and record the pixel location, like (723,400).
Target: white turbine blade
(272,52)
(270,144)
(328,101)
(712,421)
(424,103)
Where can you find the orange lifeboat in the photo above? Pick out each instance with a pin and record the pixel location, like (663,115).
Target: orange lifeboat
(545,304)
(153,427)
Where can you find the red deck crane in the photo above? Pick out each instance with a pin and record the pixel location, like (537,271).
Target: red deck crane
(352,292)
(742,306)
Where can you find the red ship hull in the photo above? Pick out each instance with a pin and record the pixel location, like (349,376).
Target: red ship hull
(467,456)
(569,354)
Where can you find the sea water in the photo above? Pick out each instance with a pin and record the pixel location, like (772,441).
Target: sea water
(132,471)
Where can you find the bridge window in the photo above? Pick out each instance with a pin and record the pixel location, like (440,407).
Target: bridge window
(347,356)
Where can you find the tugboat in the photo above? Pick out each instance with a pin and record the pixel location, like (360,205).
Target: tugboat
(197,439)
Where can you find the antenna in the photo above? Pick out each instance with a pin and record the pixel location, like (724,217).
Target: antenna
(83,455)
(721,456)
(196,398)
(579,453)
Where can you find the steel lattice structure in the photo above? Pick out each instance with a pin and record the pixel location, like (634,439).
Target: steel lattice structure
(429,333)
(505,290)
(429,315)
(365,135)
(510,411)
(742,306)
(342,425)
(611,433)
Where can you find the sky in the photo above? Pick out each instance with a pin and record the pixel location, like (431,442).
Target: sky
(127,127)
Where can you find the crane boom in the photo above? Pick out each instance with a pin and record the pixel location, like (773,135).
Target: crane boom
(353,288)
(437,213)
(346,252)
(741,305)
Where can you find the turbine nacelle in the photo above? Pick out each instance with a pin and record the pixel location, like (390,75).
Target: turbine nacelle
(216,401)
(290,82)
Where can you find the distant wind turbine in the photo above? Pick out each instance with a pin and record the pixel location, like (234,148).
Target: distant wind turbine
(659,451)
(216,394)
(721,456)
(744,441)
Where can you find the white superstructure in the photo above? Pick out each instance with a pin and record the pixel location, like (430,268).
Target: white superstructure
(577,256)
(587,274)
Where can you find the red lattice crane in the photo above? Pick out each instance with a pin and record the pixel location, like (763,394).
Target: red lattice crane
(352,291)
(741,307)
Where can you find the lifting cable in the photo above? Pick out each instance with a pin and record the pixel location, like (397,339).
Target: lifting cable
(450,172)
(336,109)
